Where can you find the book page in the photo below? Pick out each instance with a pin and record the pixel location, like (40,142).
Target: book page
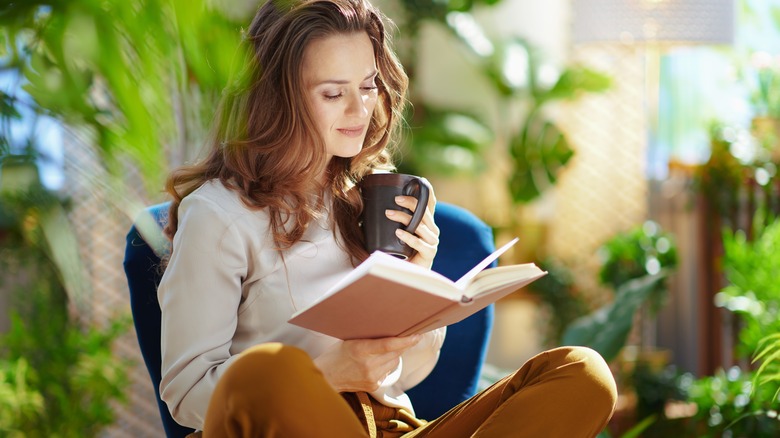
(468,276)
(503,276)
(388,297)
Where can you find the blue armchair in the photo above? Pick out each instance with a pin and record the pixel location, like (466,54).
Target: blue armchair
(464,241)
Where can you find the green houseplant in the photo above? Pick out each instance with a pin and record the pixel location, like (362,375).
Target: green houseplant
(636,264)
(751,267)
(643,250)
(140,96)
(58,374)
(768,355)
(744,402)
(525,133)
(136,81)
(562,301)
(729,405)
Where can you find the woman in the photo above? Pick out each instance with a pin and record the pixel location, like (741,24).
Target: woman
(269,220)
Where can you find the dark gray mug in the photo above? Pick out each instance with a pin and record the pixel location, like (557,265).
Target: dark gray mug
(379,191)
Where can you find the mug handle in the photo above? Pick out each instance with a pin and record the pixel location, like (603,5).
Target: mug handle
(422,200)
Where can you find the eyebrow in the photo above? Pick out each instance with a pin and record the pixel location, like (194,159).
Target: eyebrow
(344,81)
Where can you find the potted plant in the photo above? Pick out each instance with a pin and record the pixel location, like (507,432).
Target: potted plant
(525,135)
(742,401)
(58,374)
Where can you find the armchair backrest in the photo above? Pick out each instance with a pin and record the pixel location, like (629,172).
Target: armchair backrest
(465,240)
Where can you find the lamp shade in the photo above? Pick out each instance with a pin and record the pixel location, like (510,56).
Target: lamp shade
(658,21)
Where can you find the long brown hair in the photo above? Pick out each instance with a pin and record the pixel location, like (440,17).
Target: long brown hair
(264,142)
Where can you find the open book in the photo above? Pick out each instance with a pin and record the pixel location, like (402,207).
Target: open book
(385,296)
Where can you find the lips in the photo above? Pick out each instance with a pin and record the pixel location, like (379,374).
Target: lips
(352,131)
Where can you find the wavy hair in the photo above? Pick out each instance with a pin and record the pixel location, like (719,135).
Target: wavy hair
(264,143)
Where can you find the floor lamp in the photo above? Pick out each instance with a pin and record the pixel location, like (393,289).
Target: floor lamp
(652,27)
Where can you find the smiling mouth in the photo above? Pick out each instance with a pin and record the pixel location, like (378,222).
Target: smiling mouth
(352,131)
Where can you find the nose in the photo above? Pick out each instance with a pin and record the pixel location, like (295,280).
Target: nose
(357,105)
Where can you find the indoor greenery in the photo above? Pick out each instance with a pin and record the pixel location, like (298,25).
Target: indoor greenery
(729,405)
(562,301)
(58,374)
(137,81)
(743,402)
(643,250)
(655,388)
(607,328)
(737,180)
(739,186)
(636,264)
(137,78)
(449,140)
(768,357)
(62,378)
(752,292)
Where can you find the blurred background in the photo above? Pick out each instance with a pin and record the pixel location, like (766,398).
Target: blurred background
(632,145)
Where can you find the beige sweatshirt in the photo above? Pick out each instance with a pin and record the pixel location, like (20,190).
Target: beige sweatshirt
(226,289)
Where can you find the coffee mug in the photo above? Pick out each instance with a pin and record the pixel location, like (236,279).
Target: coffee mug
(379,191)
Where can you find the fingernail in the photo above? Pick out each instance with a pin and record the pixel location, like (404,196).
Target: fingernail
(399,199)
(390,212)
(399,232)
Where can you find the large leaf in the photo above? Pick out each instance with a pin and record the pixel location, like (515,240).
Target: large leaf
(514,69)
(8,106)
(140,94)
(446,142)
(606,329)
(509,65)
(19,402)
(538,153)
(750,266)
(576,80)
(520,81)
(768,355)
(63,248)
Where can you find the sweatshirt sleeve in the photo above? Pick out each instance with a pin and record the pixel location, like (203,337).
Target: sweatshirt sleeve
(199,296)
(419,360)
(415,365)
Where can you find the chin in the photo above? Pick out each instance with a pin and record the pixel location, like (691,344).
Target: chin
(347,151)
(346,155)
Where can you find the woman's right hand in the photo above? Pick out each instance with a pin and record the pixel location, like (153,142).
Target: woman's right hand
(362,364)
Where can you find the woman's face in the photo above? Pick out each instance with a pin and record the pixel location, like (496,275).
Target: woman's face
(339,74)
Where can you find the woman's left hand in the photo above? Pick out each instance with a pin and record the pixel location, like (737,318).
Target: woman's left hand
(425,239)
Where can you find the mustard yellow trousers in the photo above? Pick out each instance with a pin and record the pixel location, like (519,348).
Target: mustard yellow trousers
(275,391)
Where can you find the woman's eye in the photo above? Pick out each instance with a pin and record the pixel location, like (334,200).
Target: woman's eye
(333,96)
(369,88)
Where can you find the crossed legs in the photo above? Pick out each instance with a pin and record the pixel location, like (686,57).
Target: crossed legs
(274,390)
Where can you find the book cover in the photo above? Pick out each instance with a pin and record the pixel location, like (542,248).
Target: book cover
(385,296)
